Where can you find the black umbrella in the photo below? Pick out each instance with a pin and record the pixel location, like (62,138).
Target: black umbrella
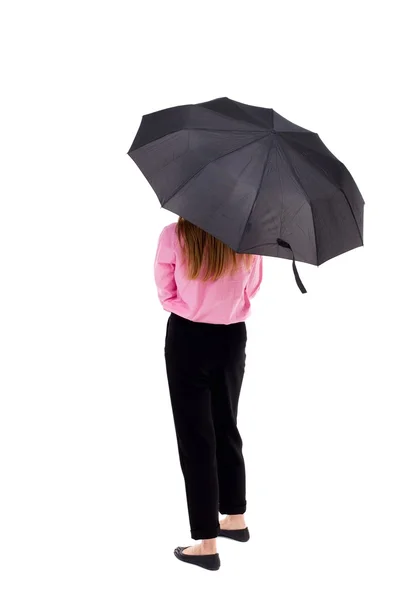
(252,179)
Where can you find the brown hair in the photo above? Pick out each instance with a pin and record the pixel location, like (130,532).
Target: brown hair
(205,252)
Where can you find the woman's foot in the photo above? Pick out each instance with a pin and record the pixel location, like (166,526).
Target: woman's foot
(205,548)
(193,555)
(233,522)
(234,527)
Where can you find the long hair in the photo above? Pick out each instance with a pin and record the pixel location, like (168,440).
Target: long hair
(206,256)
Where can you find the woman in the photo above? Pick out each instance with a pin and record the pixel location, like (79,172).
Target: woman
(207,288)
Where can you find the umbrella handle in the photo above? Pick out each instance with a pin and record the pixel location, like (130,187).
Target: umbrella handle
(300,285)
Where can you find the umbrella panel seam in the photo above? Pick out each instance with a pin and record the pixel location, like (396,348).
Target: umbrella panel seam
(179,188)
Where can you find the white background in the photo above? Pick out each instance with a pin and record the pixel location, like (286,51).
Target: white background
(92,497)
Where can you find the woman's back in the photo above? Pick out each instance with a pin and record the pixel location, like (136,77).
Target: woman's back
(207,287)
(224,301)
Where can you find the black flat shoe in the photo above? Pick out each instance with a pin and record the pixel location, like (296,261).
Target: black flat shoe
(239,535)
(208,561)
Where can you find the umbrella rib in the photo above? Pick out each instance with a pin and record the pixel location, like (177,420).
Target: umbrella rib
(222,130)
(261,246)
(334,184)
(297,179)
(211,161)
(299,257)
(215,112)
(255,199)
(130,152)
(354,216)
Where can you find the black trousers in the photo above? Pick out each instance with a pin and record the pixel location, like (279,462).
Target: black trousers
(205,367)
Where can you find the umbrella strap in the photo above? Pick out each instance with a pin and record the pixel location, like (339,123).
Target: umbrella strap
(296,273)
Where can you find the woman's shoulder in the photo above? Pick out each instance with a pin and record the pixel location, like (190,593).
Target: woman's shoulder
(168,233)
(171,228)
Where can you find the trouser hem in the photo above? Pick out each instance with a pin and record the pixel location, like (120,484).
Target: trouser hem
(232,510)
(205,534)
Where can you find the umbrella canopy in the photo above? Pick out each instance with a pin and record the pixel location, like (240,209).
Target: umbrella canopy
(251,178)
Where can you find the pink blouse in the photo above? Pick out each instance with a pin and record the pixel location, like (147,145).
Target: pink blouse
(224,301)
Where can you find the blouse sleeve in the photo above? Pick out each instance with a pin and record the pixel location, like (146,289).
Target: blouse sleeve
(255,278)
(164,267)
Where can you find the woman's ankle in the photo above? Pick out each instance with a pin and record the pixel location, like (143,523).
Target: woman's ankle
(210,546)
(236,520)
